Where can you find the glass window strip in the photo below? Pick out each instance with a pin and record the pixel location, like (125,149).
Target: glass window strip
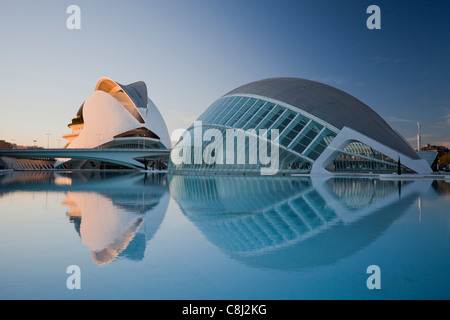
(216,111)
(276,120)
(282,118)
(247,120)
(245,105)
(296,128)
(321,143)
(288,127)
(257,115)
(240,112)
(209,110)
(271,117)
(313,141)
(297,110)
(229,109)
(220,108)
(291,162)
(245,117)
(367,158)
(312,154)
(299,134)
(238,106)
(223,108)
(284,121)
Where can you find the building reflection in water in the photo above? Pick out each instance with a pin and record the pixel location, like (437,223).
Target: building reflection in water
(115,214)
(292,223)
(269,222)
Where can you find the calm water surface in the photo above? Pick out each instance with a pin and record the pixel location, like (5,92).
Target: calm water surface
(156,236)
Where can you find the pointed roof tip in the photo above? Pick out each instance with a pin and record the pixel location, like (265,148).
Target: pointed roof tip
(136,91)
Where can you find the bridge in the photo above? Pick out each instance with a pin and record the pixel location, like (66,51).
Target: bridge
(119,156)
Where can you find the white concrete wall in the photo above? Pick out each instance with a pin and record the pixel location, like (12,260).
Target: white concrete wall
(347,135)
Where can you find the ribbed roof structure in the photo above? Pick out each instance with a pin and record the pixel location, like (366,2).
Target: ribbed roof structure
(332,105)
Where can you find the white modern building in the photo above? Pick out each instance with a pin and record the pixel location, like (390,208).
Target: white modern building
(320,130)
(120,116)
(116,127)
(116,116)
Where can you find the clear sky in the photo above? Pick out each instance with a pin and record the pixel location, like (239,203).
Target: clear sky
(191,52)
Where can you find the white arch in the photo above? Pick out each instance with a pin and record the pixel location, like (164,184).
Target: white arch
(348,135)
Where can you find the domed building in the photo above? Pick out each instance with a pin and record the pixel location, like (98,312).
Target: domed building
(116,116)
(117,127)
(320,129)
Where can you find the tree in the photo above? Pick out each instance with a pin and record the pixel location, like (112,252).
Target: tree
(444,159)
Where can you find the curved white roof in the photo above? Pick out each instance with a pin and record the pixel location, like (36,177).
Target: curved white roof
(114,109)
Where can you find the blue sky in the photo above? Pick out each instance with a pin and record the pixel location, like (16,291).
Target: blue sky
(190,52)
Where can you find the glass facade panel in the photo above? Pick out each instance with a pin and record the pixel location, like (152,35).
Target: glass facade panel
(249,114)
(232,109)
(358,157)
(320,144)
(299,147)
(223,108)
(284,121)
(237,115)
(315,129)
(288,162)
(306,137)
(216,110)
(208,111)
(259,116)
(270,119)
(292,131)
(297,133)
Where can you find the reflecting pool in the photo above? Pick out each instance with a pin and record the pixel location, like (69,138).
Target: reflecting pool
(157,236)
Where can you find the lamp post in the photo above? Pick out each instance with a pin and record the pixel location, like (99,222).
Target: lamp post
(98,140)
(48,139)
(419,137)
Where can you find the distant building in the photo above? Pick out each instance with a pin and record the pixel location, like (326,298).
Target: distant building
(5,145)
(8,145)
(440,149)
